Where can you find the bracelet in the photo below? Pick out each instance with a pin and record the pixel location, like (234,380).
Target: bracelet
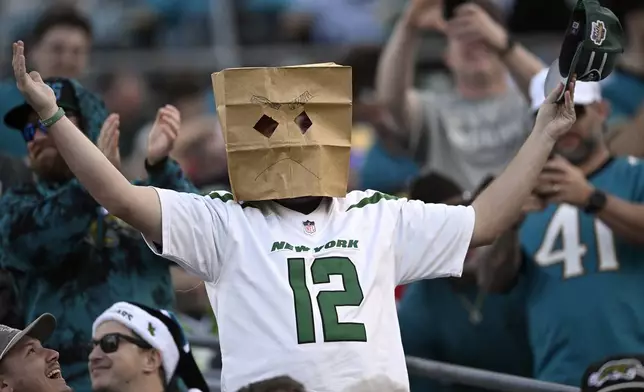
(509,45)
(53,119)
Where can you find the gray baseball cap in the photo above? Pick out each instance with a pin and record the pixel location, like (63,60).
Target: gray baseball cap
(40,329)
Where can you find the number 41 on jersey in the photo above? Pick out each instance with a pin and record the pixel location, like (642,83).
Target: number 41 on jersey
(564,225)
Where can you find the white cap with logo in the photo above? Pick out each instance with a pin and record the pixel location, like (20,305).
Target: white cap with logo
(544,82)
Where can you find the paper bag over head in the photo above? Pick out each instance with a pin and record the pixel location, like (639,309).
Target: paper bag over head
(287,130)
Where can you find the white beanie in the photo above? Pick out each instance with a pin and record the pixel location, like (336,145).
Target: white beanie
(149,328)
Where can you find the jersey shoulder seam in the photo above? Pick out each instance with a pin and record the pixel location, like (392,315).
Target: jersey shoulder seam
(220,195)
(374,198)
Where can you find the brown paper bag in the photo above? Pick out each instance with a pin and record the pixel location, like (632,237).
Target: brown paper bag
(287,130)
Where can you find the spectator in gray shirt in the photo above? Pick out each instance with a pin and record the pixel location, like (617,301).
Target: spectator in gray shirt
(473,130)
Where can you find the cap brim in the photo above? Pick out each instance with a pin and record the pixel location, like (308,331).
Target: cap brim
(40,329)
(17,117)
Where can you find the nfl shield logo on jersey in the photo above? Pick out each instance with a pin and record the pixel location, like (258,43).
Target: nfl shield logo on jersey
(309,227)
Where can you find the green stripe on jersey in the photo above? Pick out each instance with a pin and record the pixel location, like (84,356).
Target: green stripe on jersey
(373,199)
(226,197)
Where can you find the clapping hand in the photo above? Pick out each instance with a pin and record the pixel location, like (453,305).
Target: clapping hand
(163,134)
(31,85)
(108,140)
(556,119)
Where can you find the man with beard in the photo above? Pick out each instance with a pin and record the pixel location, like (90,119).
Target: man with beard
(68,254)
(27,366)
(582,253)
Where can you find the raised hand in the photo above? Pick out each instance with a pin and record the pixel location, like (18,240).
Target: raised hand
(163,134)
(36,92)
(108,140)
(472,23)
(427,15)
(556,118)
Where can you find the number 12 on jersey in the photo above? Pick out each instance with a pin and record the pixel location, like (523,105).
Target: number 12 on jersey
(327,301)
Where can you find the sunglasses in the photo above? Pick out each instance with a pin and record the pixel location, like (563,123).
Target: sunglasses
(29,131)
(110,342)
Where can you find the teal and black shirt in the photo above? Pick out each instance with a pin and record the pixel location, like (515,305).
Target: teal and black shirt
(586,285)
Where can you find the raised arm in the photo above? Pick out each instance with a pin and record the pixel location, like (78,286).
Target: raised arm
(497,266)
(472,22)
(501,203)
(138,206)
(395,74)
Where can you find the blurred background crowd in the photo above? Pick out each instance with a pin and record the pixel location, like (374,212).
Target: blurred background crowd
(139,55)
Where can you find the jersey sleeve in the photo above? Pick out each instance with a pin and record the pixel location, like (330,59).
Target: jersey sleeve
(432,240)
(194,232)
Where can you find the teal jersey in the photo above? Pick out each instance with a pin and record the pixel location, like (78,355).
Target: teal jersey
(585,285)
(624,91)
(435,324)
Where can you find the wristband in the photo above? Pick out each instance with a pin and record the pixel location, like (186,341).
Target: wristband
(53,119)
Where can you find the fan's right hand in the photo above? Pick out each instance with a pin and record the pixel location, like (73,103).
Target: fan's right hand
(36,92)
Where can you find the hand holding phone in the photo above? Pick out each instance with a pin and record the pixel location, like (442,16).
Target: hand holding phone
(449,6)
(427,15)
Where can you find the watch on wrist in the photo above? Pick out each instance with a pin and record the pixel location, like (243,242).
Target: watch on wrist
(596,202)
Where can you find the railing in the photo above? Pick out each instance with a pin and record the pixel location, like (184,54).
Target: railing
(434,370)
(493,381)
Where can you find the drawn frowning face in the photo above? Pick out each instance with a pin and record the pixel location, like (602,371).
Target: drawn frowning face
(287,130)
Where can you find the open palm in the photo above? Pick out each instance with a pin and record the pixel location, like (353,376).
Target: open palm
(164,133)
(35,91)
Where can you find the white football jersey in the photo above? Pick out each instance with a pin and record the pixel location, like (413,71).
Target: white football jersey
(312,296)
